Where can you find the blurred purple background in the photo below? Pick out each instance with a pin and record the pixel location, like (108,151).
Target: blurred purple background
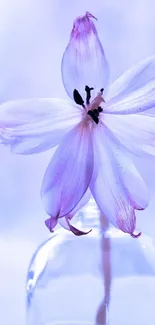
(33,35)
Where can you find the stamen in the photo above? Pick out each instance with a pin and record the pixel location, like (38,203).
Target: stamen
(96,112)
(102,90)
(77,98)
(100,109)
(93,116)
(88,92)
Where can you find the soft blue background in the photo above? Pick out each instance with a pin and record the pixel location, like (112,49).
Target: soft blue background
(33,35)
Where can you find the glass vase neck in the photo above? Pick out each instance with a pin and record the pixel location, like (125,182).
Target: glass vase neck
(91,217)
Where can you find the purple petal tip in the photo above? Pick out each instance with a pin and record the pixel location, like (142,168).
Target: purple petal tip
(136,235)
(89,15)
(78,232)
(51,223)
(83,25)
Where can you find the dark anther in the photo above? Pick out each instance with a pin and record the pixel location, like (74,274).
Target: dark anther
(96,112)
(100,109)
(88,92)
(93,116)
(77,97)
(102,90)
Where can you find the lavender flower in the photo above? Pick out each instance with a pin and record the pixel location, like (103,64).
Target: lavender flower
(98,133)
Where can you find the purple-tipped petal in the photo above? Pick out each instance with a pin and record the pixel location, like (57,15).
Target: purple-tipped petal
(134,91)
(78,232)
(117,189)
(68,175)
(64,222)
(51,223)
(136,235)
(84,61)
(35,125)
(136,132)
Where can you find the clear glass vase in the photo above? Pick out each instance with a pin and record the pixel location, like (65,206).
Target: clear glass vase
(103,278)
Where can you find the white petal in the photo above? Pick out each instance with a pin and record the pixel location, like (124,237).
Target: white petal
(134,186)
(138,101)
(81,203)
(135,132)
(84,62)
(134,78)
(35,125)
(117,188)
(68,175)
(134,91)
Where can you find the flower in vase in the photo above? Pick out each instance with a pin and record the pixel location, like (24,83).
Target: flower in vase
(98,131)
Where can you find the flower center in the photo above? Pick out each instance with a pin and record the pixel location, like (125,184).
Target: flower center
(93,109)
